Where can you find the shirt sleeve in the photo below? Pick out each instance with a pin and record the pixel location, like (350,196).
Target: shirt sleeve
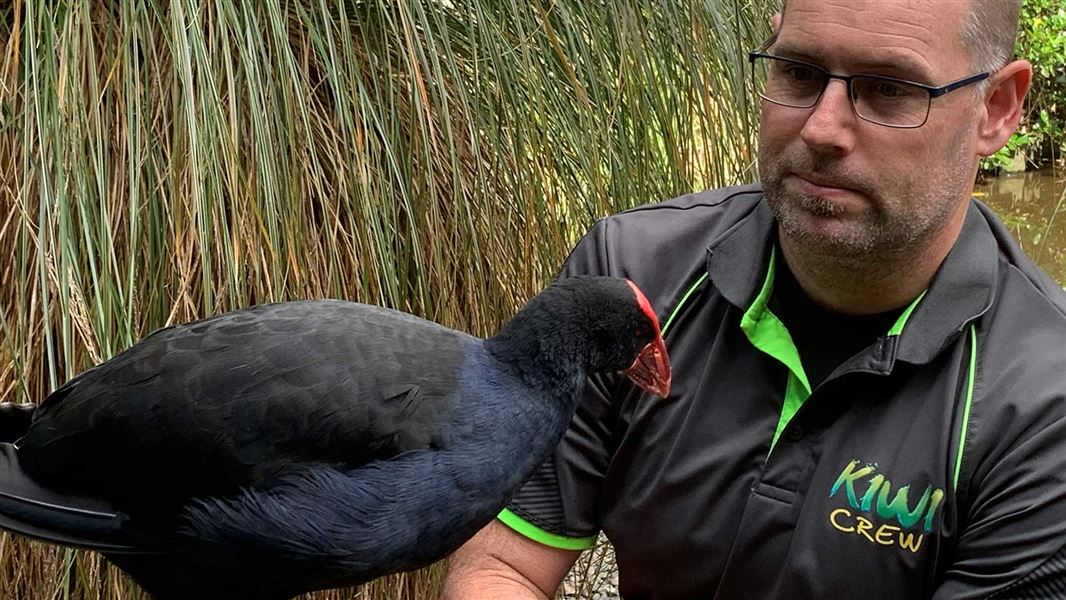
(557,505)
(1012,541)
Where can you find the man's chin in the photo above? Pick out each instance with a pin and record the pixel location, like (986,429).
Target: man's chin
(821,208)
(809,210)
(828,234)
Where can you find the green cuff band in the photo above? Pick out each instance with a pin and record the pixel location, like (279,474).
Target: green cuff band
(547,538)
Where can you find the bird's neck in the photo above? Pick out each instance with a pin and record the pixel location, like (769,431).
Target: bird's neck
(510,426)
(545,343)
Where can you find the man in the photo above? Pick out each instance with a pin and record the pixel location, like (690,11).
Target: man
(869,378)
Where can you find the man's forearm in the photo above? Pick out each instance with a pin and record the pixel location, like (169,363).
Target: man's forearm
(498,564)
(485,583)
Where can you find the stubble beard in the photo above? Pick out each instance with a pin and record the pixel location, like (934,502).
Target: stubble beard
(898,216)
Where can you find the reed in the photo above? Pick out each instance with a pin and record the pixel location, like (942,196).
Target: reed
(163,160)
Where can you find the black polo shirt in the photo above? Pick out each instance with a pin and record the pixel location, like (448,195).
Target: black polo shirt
(930,464)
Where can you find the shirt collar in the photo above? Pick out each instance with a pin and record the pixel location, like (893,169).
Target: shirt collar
(962,289)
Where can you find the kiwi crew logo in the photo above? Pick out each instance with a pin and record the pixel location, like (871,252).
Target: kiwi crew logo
(877,515)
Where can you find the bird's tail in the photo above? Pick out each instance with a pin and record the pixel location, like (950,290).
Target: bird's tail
(30,509)
(15,419)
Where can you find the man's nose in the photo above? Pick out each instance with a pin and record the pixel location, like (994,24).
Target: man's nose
(830,128)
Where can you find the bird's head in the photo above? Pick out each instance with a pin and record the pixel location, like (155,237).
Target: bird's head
(624,333)
(599,324)
(650,370)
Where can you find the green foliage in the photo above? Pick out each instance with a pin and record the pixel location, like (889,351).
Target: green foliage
(1042,41)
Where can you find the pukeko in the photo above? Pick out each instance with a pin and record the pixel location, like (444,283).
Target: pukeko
(298,446)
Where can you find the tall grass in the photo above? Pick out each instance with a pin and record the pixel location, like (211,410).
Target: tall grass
(162,160)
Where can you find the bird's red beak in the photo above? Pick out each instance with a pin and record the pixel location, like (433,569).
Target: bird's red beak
(651,369)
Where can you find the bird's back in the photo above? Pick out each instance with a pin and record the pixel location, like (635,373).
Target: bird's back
(209,407)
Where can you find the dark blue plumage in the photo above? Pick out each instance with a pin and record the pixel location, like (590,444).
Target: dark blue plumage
(305,445)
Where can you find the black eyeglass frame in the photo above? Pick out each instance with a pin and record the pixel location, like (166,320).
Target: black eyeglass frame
(933,91)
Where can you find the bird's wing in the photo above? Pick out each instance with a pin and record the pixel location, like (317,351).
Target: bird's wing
(29,509)
(205,408)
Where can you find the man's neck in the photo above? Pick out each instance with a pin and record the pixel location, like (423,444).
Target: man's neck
(873,283)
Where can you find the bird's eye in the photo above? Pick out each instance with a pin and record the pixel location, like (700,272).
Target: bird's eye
(644,331)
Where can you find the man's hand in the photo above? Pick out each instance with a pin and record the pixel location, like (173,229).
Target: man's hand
(499,564)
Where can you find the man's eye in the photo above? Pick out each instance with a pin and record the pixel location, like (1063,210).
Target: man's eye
(799,73)
(887,89)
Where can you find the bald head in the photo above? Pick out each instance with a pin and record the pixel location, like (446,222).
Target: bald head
(988,32)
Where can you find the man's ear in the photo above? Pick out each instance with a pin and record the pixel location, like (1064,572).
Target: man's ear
(1003,105)
(775,23)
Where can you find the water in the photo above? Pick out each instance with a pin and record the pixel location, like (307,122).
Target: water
(1033,206)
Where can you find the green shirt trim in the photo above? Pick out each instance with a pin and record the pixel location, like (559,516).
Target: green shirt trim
(902,320)
(681,303)
(767,333)
(966,407)
(539,535)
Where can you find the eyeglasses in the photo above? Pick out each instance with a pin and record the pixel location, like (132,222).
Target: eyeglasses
(882,100)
